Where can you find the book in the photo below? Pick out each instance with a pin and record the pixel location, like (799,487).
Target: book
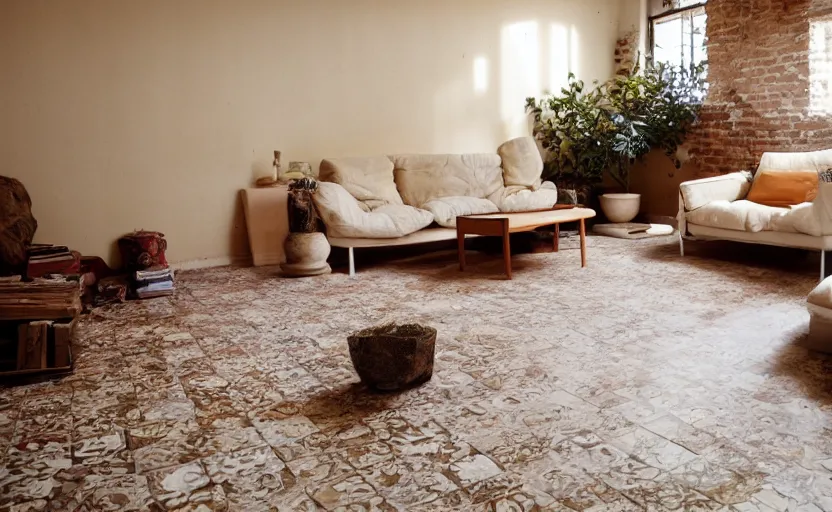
(41,249)
(54,264)
(154,287)
(151,273)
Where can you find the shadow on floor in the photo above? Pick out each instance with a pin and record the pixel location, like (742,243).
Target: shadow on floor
(709,254)
(812,370)
(348,399)
(483,256)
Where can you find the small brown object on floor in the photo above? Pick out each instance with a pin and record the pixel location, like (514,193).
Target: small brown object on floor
(392,357)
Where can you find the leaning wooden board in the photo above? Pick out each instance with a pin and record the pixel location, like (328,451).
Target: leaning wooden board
(62,335)
(32,345)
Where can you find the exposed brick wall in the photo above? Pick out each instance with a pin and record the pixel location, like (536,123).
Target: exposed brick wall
(759,98)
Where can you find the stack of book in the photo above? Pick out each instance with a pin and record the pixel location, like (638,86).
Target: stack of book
(39,300)
(52,259)
(153,282)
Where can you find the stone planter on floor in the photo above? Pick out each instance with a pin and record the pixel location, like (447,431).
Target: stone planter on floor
(306,255)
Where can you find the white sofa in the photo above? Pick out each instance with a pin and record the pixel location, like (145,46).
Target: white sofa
(716,209)
(392,200)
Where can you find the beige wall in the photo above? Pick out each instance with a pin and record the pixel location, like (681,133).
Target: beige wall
(153,114)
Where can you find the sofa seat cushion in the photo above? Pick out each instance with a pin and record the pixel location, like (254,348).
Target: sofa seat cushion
(446,209)
(423,178)
(344,217)
(522,163)
(368,179)
(523,199)
(742,215)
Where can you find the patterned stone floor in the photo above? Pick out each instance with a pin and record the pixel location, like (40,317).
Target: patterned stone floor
(645,381)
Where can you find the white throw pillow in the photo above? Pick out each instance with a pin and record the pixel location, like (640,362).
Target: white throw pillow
(445,210)
(522,163)
(523,199)
(368,179)
(344,217)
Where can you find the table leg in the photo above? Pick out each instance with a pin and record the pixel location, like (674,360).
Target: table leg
(583,243)
(506,248)
(556,240)
(460,239)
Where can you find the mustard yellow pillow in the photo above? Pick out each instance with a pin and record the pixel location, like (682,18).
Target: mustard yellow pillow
(784,188)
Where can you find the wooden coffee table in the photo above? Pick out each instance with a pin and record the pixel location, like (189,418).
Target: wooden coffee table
(503,224)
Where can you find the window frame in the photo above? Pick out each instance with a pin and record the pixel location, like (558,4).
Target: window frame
(651,21)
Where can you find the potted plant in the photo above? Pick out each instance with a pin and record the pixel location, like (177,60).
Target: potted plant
(607,128)
(569,126)
(306,247)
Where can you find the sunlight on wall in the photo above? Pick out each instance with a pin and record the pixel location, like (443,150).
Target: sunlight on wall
(480,75)
(820,67)
(559,56)
(574,51)
(519,73)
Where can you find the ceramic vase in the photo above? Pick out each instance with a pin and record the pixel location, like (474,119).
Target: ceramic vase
(306,255)
(620,207)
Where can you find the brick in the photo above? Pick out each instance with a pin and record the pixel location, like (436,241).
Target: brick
(759,73)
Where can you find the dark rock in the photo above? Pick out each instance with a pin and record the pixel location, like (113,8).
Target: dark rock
(391,357)
(17,225)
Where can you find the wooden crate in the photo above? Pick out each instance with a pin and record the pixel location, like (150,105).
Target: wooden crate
(39,347)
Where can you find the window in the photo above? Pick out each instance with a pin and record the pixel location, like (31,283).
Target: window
(678,36)
(820,67)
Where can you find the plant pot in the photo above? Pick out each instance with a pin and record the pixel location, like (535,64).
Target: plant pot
(392,357)
(620,207)
(306,255)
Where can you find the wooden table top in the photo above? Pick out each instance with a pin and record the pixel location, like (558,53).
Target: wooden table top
(526,221)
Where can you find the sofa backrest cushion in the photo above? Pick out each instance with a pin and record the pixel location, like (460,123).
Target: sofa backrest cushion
(816,160)
(422,178)
(369,179)
(522,163)
(727,187)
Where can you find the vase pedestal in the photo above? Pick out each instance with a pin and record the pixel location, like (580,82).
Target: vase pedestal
(306,255)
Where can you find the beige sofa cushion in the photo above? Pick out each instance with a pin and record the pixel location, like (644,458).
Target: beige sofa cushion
(742,216)
(422,178)
(523,199)
(821,296)
(445,210)
(368,179)
(817,160)
(344,217)
(728,187)
(522,163)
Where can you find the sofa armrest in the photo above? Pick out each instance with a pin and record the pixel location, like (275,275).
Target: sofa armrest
(728,187)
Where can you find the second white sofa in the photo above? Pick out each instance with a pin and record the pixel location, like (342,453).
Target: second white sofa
(716,208)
